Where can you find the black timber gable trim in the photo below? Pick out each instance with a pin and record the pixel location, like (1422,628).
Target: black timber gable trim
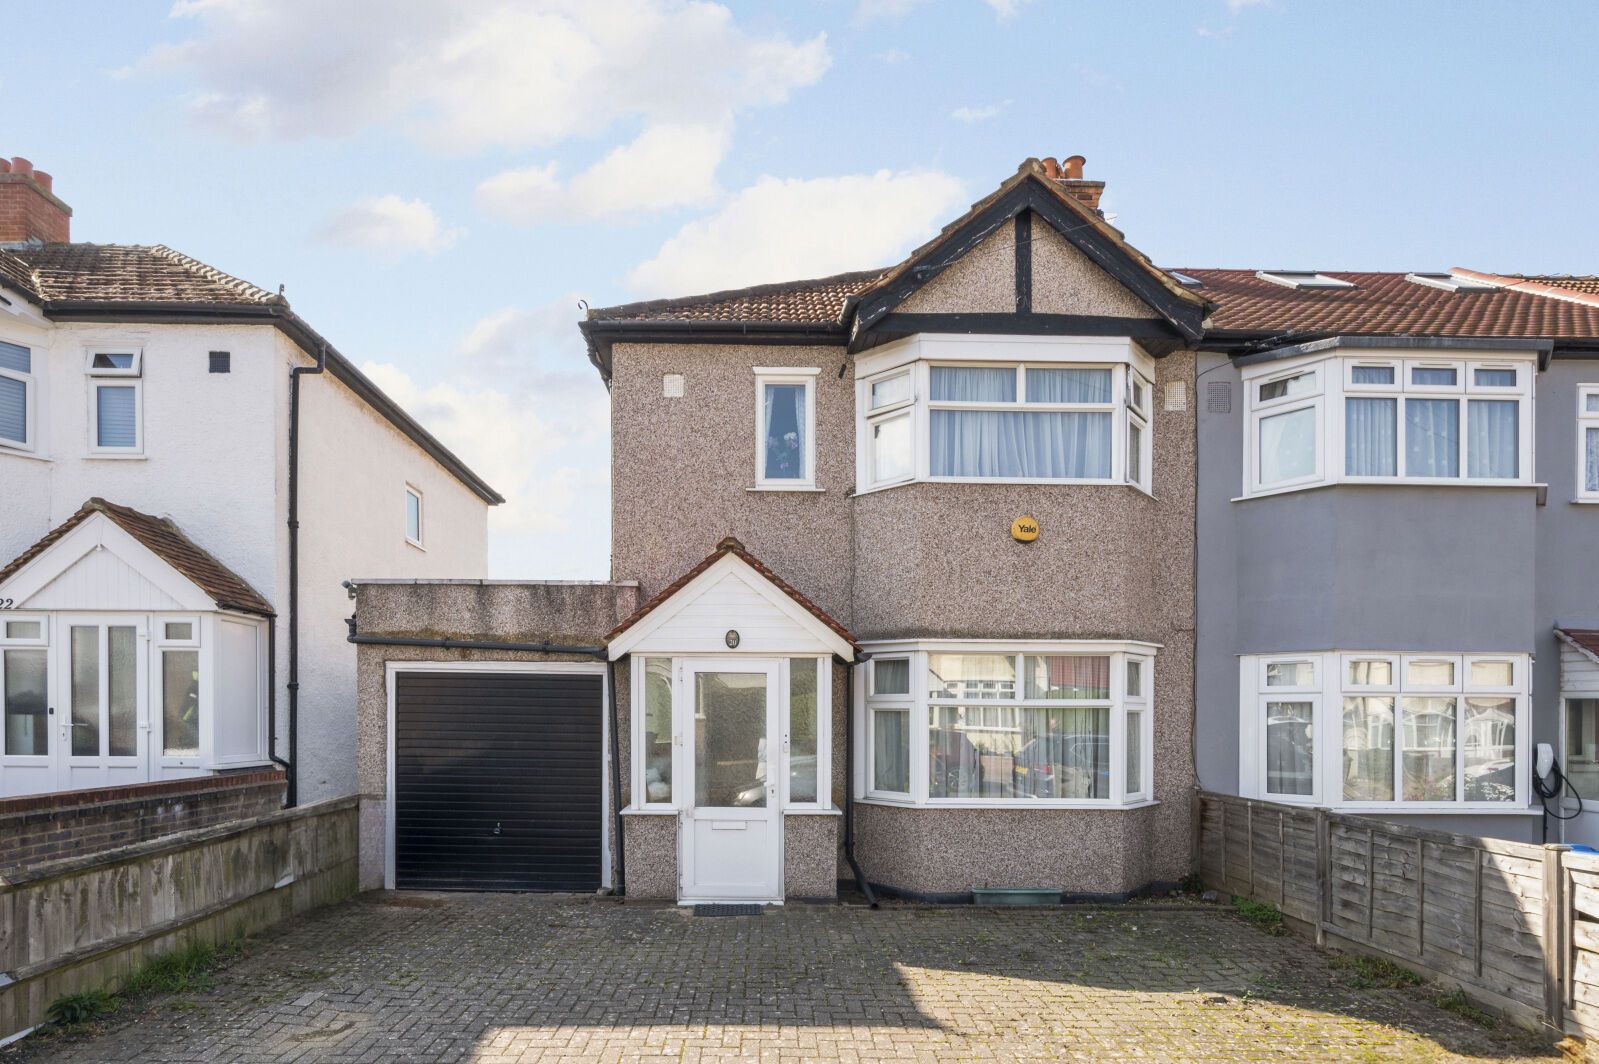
(1024,263)
(1029,195)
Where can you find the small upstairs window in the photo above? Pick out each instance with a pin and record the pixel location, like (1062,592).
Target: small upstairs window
(785,438)
(413,516)
(115,421)
(17,396)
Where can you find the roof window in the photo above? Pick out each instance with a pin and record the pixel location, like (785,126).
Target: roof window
(1450,282)
(1302,279)
(1185,280)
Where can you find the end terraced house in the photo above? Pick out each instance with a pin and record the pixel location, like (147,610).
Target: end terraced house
(964,573)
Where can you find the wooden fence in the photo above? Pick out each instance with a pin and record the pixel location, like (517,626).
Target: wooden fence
(1515,925)
(85,923)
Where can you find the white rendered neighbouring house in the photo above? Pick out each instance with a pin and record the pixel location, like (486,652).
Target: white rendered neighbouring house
(188,472)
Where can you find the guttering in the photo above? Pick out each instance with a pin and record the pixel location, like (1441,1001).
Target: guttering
(295,374)
(1402,343)
(471,644)
(601,333)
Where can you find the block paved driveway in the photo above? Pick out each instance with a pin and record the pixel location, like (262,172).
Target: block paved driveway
(514,978)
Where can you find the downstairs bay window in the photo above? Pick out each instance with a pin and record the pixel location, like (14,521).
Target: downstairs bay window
(980,724)
(1401,732)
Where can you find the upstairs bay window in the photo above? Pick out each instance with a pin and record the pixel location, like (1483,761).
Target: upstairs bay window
(1588,443)
(1388,420)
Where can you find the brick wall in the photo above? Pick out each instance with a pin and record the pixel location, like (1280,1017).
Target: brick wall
(49,827)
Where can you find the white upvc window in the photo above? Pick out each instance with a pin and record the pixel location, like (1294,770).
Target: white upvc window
(18,397)
(1140,397)
(890,432)
(24,688)
(785,437)
(984,724)
(1387,731)
(1377,418)
(116,420)
(182,696)
(1588,443)
(413,516)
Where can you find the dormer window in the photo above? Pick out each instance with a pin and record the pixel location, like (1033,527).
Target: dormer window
(115,418)
(1302,279)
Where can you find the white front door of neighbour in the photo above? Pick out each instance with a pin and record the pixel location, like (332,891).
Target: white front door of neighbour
(102,733)
(731,841)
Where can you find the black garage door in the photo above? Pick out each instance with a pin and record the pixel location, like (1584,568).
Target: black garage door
(497,780)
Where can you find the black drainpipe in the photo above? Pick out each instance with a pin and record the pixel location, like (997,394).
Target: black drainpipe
(616,781)
(849,801)
(272,705)
(292,770)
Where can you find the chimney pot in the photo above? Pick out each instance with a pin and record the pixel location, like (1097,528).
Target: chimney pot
(29,209)
(5,166)
(1051,167)
(19,165)
(1073,167)
(43,178)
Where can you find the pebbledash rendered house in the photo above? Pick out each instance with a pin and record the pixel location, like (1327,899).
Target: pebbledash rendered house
(964,573)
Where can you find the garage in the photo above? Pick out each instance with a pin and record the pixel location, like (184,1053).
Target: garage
(498,778)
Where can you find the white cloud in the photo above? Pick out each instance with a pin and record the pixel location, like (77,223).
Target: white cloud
(521,405)
(667,166)
(973,114)
(781,229)
(867,10)
(465,74)
(1236,6)
(1007,9)
(892,57)
(387,227)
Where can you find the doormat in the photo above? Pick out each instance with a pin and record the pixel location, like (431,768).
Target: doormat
(726,909)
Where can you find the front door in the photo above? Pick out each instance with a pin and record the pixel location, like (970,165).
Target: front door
(102,725)
(732,833)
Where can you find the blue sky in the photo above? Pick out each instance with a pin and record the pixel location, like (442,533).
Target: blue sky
(438,182)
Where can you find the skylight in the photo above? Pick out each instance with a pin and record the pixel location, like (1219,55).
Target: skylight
(1184,279)
(1302,279)
(1450,282)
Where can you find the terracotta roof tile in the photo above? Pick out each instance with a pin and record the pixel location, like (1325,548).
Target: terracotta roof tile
(123,272)
(730,545)
(225,587)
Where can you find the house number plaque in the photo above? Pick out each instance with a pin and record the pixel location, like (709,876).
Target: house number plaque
(732,639)
(1024,530)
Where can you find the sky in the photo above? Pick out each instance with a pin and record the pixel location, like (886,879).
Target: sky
(439,183)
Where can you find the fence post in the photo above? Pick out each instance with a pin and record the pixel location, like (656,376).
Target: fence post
(1554,932)
(1323,876)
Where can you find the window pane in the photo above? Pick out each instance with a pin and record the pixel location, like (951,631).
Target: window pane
(1490,750)
(1492,438)
(1135,679)
(1590,476)
(180,630)
(1591,403)
(413,516)
(785,432)
(891,449)
(121,691)
(1582,744)
(1290,743)
(1044,444)
(22,629)
(1431,674)
(115,416)
(1067,676)
(1492,673)
(1068,386)
(1290,674)
(1371,374)
(1135,753)
(1135,452)
(113,360)
(657,751)
(891,757)
(1434,377)
(1368,749)
(802,730)
(891,676)
(1371,673)
(16,358)
(973,385)
(1011,752)
(730,747)
(180,703)
(1304,382)
(26,720)
(891,390)
(1138,394)
(1432,437)
(1429,734)
(13,410)
(967,676)
(1288,446)
(1371,437)
(1494,378)
(85,691)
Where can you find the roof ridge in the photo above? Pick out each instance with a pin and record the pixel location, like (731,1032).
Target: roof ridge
(211,273)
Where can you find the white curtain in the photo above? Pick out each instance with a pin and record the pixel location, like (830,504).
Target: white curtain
(999,443)
(1068,386)
(785,431)
(1492,438)
(1370,437)
(1590,476)
(1432,437)
(891,769)
(961,384)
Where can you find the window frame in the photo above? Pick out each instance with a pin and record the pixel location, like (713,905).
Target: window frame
(639,676)
(414,492)
(41,642)
(806,377)
(824,715)
(1262,409)
(204,664)
(891,703)
(96,449)
(31,381)
(1586,419)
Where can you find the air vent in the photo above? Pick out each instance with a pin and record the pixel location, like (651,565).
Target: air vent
(1218,398)
(221,362)
(1302,279)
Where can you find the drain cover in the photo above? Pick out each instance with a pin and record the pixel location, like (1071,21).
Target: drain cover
(726,909)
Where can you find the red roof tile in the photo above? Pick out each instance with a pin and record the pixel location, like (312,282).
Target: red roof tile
(730,545)
(225,587)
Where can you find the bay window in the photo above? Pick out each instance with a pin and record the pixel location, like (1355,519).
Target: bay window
(1404,731)
(1379,419)
(1040,724)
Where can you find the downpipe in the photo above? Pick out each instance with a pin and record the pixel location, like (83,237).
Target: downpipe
(293,768)
(849,802)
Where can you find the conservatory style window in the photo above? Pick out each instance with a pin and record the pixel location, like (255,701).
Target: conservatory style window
(1406,731)
(973,724)
(1380,419)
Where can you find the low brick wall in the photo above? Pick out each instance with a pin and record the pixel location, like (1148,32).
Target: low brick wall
(84,923)
(48,827)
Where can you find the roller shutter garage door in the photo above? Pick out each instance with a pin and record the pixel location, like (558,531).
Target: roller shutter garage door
(497,781)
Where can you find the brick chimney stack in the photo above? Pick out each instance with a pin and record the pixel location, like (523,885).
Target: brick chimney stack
(1070,175)
(29,211)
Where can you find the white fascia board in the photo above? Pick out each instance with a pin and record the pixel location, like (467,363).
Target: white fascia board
(662,615)
(95,532)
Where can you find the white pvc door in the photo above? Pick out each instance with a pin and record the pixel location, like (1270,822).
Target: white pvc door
(102,722)
(732,830)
